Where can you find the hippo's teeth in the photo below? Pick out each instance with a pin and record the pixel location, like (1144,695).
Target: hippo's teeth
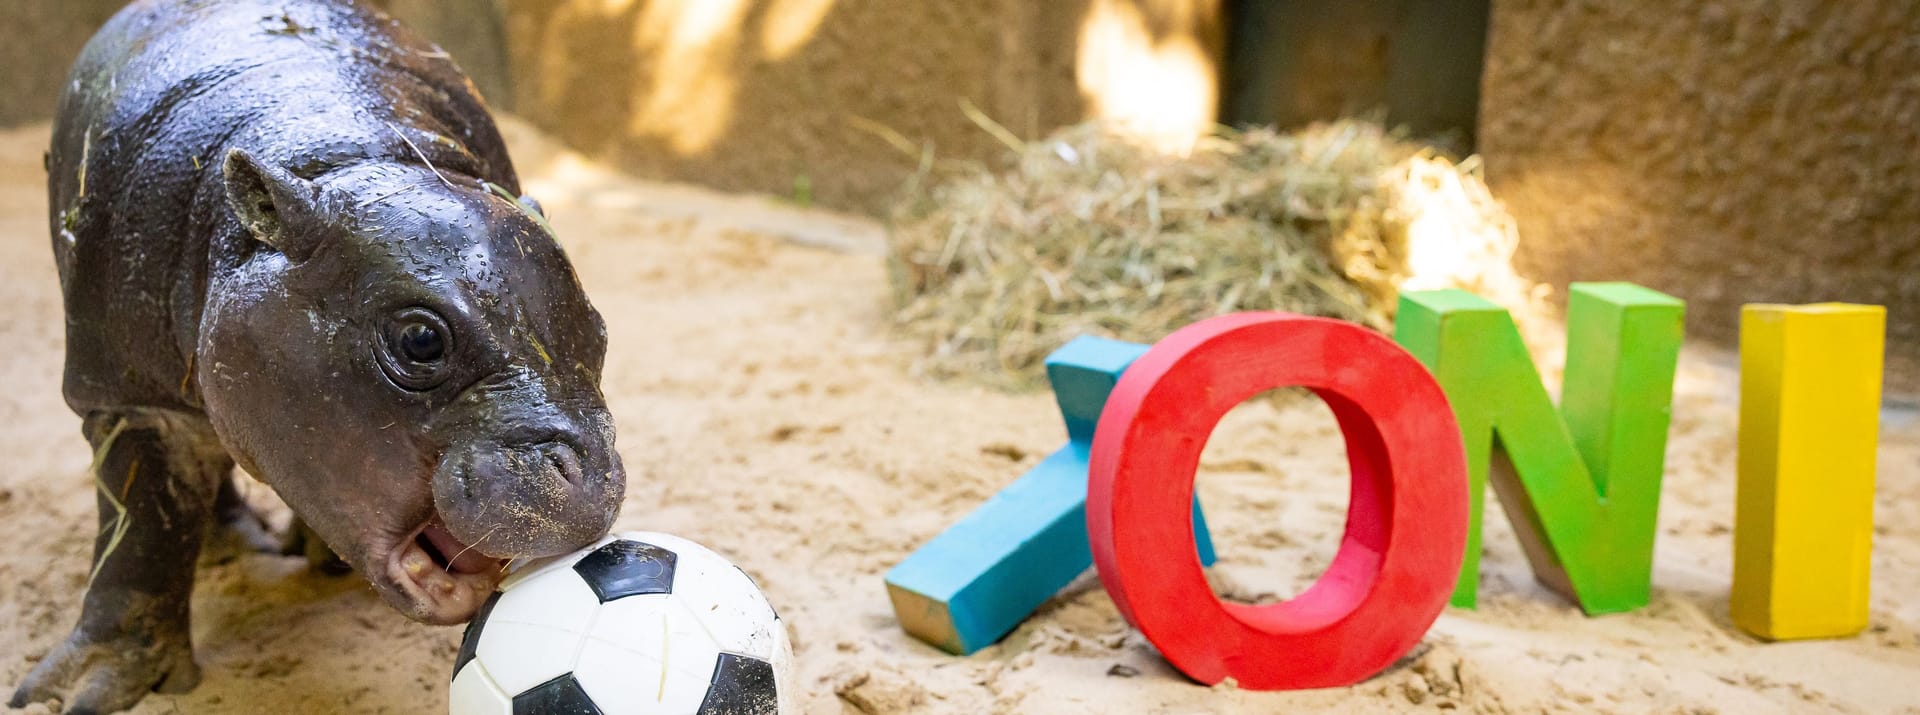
(416,562)
(441,585)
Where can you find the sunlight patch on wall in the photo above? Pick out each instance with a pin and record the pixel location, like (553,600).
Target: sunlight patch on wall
(1165,88)
(789,24)
(695,47)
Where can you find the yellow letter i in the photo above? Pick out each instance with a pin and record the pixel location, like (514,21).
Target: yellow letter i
(1809,425)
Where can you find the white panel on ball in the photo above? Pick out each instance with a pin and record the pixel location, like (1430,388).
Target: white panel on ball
(654,624)
(562,603)
(625,682)
(474,693)
(527,569)
(520,656)
(726,601)
(783,668)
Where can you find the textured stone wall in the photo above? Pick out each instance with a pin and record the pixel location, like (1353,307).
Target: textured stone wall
(1724,152)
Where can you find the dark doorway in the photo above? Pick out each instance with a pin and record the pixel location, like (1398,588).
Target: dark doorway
(1290,62)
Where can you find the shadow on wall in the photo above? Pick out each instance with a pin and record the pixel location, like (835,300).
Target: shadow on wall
(39,40)
(767,95)
(1727,153)
(472,31)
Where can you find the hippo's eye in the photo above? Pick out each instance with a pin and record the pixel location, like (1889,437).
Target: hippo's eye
(422,342)
(414,347)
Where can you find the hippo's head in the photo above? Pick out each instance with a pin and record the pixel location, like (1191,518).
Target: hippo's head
(407,357)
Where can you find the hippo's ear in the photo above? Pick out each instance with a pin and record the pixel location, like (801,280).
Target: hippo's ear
(534,206)
(278,208)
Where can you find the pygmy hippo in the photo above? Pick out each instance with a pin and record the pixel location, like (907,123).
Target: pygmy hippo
(289,237)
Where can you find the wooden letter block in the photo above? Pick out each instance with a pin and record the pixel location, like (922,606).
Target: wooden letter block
(1581,484)
(1406,518)
(1809,423)
(976,581)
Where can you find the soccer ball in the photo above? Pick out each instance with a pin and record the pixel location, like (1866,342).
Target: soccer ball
(639,622)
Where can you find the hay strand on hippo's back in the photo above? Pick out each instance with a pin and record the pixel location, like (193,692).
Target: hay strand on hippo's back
(1091,232)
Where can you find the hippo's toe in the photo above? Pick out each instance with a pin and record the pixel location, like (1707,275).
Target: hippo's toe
(104,676)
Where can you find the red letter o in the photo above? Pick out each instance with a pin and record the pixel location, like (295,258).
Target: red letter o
(1406,519)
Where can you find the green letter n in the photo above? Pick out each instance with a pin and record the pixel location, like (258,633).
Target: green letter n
(1580,484)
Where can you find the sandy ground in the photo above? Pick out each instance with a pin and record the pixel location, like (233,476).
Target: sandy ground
(766,410)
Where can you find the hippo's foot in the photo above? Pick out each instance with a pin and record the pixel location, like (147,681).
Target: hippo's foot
(108,675)
(301,541)
(158,473)
(239,530)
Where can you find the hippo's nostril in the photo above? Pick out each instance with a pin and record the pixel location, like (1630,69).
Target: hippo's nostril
(564,462)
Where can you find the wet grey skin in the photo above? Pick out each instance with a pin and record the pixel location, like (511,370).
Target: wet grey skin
(289,238)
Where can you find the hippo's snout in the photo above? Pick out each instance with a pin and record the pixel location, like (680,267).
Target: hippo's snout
(529,499)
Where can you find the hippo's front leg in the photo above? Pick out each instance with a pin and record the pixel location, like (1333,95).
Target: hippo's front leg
(158,473)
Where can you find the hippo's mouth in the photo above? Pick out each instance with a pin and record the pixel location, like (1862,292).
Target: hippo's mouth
(441,580)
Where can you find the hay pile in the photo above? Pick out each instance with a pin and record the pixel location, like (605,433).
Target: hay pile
(1092,232)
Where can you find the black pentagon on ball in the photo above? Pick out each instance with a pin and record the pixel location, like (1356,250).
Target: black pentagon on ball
(627,568)
(471,641)
(742,685)
(559,696)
